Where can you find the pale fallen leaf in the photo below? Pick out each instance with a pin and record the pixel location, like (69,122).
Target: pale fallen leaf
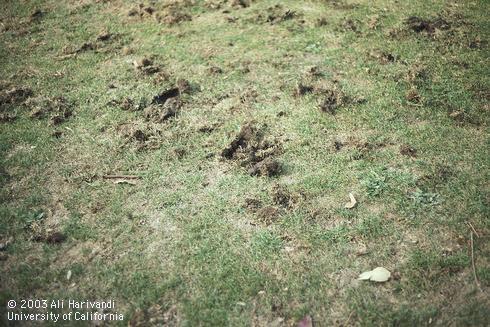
(352,203)
(365,275)
(68,275)
(306,322)
(378,274)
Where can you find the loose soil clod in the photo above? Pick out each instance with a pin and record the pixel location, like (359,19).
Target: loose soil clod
(57,108)
(50,237)
(419,25)
(302,89)
(331,101)
(407,150)
(253,152)
(268,215)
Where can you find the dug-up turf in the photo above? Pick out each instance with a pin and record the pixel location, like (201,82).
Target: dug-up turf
(252,151)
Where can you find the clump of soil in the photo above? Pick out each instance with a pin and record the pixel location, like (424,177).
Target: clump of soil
(253,204)
(240,3)
(172,16)
(267,167)
(168,103)
(268,214)
(407,150)
(281,196)
(14,95)
(141,136)
(302,89)
(58,109)
(100,43)
(50,237)
(332,100)
(413,96)
(428,26)
(275,15)
(161,112)
(145,66)
(10,97)
(184,86)
(214,70)
(6,117)
(253,152)
(349,25)
(128,104)
(384,57)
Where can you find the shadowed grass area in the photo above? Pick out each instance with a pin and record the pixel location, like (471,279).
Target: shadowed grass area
(108,194)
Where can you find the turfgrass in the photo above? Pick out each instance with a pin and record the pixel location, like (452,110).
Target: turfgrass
(198,240)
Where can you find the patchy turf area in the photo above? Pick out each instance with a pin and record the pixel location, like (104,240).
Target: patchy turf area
(191,160)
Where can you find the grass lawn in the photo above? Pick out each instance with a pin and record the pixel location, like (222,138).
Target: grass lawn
(192,160)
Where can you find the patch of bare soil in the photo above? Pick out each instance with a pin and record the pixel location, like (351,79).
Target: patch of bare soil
(384,57)
(274,15)
(413,96)
(428,26)
(41,233)
(268,215)
(58,109)
(408,151)
(253,152)
(302,89)
(146,66)
(142,136)
(362,149)
(350,25)
(9,97)
(101,43)
(14,95)
(283,197)
(332,100)
(170,13)
(128,104)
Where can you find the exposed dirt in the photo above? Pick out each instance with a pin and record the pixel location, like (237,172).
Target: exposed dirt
(428,26)
(253,204)
(332,100)
(302,89)
(268,215)
(350,25)
(170,13)
(58,109)
(281,196)
(275,15)
(146,66)
(13,96)
(142,136)
(407,150)
(240,3)
(102,43)
(50,237)
(267,167)
(413,96)
(253,152)
(384,57)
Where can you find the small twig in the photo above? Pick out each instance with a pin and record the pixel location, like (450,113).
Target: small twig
(473,263)
(348,318)
(473,229)
(121,177)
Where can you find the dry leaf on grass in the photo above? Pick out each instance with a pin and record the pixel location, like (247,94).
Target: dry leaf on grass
(378,274)
(352,203)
